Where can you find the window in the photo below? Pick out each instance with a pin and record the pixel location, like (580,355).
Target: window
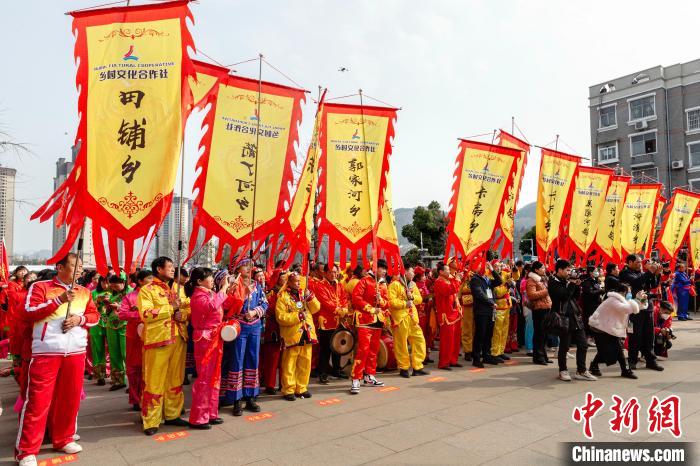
(693,117)
(694,185)
(643,107)
(694,155)
(608,117)
(607,153)
(644,143)
(645,175)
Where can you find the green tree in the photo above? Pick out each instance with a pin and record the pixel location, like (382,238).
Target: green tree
(525,245)
(412,257)
(431,221)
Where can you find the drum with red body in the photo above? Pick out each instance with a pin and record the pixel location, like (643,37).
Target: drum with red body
(386,360)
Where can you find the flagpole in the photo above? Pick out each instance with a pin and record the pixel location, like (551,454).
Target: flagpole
(257,154)
(79,257)
(79,252)
(314,194)
(181,204)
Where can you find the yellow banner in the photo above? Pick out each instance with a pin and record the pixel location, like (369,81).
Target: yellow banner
(246,175)
(354,168)
(302,207)
(485,173)
(507,221)
(694,242)
(638,218)
(387,226)
(556,175)
(587,202)
(134,115)
(680,212)
(608,235)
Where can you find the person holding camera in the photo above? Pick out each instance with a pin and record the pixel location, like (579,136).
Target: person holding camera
(564,289)
(642,337)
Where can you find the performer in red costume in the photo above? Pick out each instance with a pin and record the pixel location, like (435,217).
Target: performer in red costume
(370,301)
(449,315)
(56,369)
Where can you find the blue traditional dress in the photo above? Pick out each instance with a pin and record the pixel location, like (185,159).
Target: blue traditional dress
(239,365)
(681,291)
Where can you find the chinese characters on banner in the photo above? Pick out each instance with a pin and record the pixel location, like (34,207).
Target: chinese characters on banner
(355,148)
(679,213)
(229,194)
(553,197)
(507,219)
(483,177)
(661,415)
(638,218)
(607,238)
(587,201)
(694,241)
(133,80)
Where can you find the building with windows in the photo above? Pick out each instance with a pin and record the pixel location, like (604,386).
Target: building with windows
(166,241)
(647,125)
(7,208)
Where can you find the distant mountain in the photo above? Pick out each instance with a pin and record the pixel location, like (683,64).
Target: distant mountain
(525,217)
(403,216)
(524,220)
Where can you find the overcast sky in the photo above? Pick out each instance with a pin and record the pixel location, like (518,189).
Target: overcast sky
(457,68)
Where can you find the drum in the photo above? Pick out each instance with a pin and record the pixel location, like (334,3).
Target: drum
(139,330)
(230,331)
(342,341)
(386,360)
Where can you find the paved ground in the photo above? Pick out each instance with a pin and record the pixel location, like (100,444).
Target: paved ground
(515,414)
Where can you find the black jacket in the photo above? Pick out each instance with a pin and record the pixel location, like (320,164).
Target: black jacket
(591,295)
(639,281)
(561,291)
(611,283)
(483,305)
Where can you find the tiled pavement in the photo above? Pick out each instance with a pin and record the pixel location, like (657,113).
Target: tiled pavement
(516,414)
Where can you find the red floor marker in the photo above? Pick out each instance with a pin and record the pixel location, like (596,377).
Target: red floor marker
(437,379)
(388,389)
(512,362)
(171,436)
(330,401)
(58,460)
(477,369)
(259,417)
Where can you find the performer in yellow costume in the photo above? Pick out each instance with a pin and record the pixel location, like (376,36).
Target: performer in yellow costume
(164,314)
(502,322)
(404,296)
(465,298)
(294,310)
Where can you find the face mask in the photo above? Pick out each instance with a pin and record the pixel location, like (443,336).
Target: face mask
(596,275)
(628,296)
(665,316)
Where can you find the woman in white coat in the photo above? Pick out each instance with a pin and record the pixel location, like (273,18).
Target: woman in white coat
(609,328)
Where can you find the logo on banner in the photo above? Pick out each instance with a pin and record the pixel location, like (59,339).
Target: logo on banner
(130,55)
(356,136)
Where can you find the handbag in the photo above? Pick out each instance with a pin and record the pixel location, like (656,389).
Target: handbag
(555,323)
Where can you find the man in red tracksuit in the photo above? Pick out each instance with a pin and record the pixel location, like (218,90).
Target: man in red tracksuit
(58,360)
(371,303)
(449,316)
